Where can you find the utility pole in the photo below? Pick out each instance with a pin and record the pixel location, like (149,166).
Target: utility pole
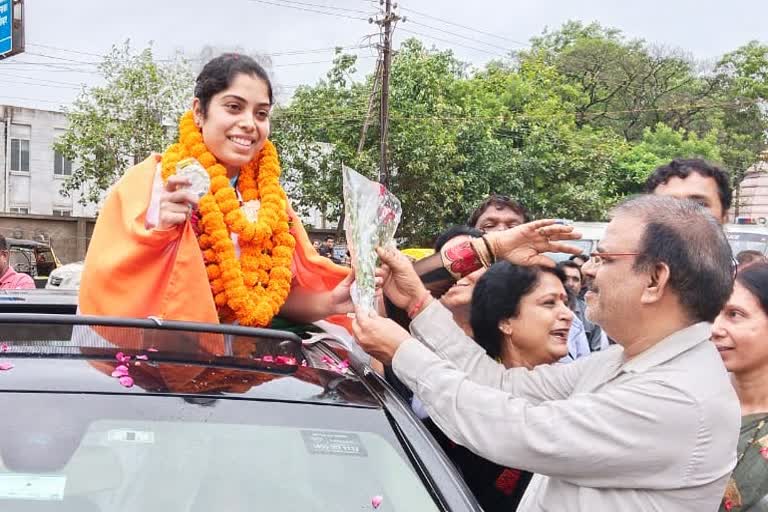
(387,25)
(363,132)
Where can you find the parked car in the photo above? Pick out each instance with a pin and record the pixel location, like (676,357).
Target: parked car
(210,417)
(34,258)
(66,277)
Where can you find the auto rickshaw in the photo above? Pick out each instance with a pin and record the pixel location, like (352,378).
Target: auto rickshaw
(34,258)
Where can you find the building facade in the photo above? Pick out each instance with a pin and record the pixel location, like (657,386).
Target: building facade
(751,197)
(31,172)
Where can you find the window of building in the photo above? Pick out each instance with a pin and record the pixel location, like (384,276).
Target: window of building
(62,212)
(61,166)
(20,135)
(19,209)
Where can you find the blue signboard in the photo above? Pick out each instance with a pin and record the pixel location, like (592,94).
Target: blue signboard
(6,27)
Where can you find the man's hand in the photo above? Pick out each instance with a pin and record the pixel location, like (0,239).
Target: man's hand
(378,336)
(176,202)
(401,283)
(524,244)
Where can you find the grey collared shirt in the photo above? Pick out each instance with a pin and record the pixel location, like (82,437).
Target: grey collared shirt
(657,432)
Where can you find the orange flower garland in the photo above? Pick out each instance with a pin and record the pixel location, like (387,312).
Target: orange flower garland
(252,289)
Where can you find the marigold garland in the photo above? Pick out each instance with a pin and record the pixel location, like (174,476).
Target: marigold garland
(252,289)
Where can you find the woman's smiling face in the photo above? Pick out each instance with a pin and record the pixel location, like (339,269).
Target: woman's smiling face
(236,124)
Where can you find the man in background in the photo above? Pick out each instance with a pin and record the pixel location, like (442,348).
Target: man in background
(694,179)
(9,278)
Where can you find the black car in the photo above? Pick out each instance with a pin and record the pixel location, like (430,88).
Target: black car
(118,415)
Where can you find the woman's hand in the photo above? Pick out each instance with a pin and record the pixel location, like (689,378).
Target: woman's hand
(524,244)
(401,283)
(341,297)
(378,336)
(176,202)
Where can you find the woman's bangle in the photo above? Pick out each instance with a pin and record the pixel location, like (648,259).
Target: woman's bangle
(460,259)
(416,309)
(482,252)
(491,256)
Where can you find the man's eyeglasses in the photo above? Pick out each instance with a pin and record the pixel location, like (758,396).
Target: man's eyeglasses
(597,257)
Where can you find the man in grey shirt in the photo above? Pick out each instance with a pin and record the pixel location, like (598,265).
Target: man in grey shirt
(649,424)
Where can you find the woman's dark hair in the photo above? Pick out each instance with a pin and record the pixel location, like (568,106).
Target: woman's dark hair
(755,279)
(454,231)
(497,297)
(219,73)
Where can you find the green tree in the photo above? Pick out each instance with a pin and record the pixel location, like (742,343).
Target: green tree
(659,146)
(626,85)
(455,136)
(119,123)
(743,74)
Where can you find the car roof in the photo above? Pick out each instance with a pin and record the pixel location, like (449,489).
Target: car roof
(68,353)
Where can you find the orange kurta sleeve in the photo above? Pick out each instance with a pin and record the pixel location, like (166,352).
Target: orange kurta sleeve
(132,271)
(312,271)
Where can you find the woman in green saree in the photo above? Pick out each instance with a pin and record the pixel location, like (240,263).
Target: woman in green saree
(740,333)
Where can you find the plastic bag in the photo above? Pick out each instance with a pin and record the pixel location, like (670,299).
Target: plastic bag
(372,216)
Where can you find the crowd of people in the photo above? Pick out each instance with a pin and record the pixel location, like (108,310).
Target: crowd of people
(631,378)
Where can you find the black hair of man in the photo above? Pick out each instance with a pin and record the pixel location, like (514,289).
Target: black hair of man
(500,202)
(568,264)
(682,168)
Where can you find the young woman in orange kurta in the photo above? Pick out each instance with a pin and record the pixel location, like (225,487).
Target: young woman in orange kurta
(238,253)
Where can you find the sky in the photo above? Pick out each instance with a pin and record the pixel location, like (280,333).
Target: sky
(64,38)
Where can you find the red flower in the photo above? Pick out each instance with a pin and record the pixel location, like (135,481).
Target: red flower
(506,482)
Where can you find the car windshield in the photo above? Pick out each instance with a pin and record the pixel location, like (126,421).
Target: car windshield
(197,431)
(748,241)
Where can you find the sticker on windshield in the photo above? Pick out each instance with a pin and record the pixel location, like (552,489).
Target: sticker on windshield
(131,436)
(323,442)
(32,487)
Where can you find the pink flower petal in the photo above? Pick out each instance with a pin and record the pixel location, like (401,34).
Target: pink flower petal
(286,360)
(4,367)
(119,356)
(376,501)
(120,371)
(151,349)
(142,357)
(126,381)
(4,347)
(268,359)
